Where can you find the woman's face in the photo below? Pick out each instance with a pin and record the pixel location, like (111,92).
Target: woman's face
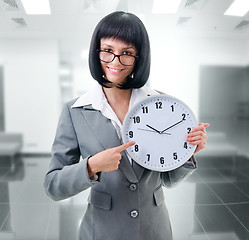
(114,71)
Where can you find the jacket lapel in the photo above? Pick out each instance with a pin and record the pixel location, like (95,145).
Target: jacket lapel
(126,168)
(138,170)
(101,127)
(107,137)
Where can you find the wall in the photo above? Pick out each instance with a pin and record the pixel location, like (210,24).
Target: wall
(176,61)
(1,100)
(82,78)
(31,91)
(224,103)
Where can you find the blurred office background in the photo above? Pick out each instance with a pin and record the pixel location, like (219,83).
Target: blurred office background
(200,54)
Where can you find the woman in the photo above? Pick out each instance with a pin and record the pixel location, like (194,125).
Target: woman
(126,201)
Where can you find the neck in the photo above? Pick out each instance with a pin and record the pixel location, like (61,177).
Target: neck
(117,95)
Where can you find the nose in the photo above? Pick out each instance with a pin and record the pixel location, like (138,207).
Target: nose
(116,60)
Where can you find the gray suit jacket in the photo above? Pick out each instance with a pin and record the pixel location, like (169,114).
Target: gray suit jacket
(125,204)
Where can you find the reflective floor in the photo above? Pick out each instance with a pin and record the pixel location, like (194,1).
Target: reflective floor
(213,204)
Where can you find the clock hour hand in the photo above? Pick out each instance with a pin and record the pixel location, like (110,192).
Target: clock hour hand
(171,126)
(152,131)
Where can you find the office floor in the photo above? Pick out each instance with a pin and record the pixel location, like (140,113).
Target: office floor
(213,204)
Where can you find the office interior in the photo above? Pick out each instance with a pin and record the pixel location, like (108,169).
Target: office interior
(198,54)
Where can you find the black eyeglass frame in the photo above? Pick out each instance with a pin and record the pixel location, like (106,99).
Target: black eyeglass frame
(116,55)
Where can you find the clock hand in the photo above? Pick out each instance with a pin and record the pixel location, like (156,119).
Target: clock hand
(171,126)
(151,131)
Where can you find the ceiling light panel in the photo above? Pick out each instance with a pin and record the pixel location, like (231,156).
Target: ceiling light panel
(8,5)
(19,22)
(182,20)
(238,8)
(36,6)
(195,4)
(242,25)
(165,6)
(100,6)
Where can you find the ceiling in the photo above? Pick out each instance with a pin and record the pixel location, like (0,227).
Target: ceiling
(72,22)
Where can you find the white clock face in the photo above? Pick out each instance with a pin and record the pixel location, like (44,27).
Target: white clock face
(159,125)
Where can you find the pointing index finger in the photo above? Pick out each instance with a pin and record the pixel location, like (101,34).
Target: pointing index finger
(124,146)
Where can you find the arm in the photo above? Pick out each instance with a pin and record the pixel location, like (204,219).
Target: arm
(197,137)
(66,176)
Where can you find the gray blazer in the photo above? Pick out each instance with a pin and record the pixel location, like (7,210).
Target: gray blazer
(125,204)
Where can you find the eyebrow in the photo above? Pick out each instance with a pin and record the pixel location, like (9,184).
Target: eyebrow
(107,45)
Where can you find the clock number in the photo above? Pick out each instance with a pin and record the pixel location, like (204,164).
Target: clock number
(148,155)
(185,145)
(145,109)
(189,129)
(130,134)
(158,105)
(175,156)
(136,119)
(136,148)
(183,116)
(172,108)
(162,160)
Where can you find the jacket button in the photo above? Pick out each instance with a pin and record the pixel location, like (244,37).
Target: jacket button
(133,187)
(134,213)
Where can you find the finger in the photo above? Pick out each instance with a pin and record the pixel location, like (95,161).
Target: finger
(200,143)
(198,133)
(198,137)
(196,129)
(206,125)
(124,146)
(201,127)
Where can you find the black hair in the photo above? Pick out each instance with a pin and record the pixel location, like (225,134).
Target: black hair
(130,29)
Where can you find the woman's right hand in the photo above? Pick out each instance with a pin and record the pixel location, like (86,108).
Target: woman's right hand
(107,160)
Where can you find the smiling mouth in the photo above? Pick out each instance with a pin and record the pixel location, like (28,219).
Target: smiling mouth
(115,70)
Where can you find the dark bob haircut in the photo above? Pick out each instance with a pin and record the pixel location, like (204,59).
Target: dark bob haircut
(130,29)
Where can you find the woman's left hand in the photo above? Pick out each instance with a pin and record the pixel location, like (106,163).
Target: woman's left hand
(197,136)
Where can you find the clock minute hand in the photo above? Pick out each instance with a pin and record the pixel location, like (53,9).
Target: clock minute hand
(153,129)
(171,126)
(147,130)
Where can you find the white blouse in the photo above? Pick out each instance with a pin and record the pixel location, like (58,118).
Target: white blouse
(96,97)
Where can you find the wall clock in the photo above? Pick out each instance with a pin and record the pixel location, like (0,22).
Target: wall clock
(159,125)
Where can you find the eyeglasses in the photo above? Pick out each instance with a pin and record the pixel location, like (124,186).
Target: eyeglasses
(124,59)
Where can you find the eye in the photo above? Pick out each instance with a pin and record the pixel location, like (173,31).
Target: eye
(127,53)
(107,49)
